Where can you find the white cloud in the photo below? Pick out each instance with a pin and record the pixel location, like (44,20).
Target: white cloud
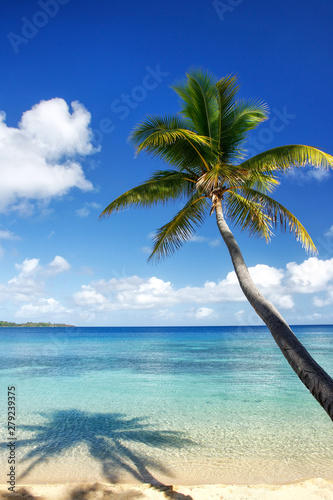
(282,301)
(215,243)
(198,239)
(37,158)
(85,211)
(82,212)
(278,285)
(140,293)
(308,174)
(147,294)
(58,265)
(7,235)
(283,287)
(29,284)
(318,174)
(240,315)
(205,313)
(88,296)
(312,275)
(57,132)
(41,308)
(322,302)
(27,267)
(266,276)
(26,284)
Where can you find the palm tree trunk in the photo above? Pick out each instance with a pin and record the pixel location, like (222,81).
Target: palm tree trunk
(319,383)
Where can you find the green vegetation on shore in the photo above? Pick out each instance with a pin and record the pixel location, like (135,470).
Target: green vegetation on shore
(29,323)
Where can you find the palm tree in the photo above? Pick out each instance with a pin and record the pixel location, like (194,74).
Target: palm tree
(203,147)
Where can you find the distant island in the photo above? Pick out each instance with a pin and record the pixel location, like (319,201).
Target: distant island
(10,323)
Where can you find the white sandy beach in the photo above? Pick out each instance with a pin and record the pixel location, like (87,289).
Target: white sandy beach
(310,489)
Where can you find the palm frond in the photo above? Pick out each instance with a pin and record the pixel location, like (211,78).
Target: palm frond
(275,214)
(227,89)
(284,158)
(247,115)
(220,175)
(199,101)
(248,214)
(169,138)
(265,182)
(162,187)
(172,235)
(236,118)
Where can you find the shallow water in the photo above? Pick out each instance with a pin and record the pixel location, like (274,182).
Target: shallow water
(178,405)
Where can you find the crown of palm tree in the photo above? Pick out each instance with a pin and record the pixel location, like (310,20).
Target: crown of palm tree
(203,146)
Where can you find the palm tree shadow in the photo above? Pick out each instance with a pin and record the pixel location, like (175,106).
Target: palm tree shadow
(109,438)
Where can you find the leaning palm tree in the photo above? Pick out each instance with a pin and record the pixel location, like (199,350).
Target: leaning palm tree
(203,145)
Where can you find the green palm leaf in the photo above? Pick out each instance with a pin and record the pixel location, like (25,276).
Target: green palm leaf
(247,115)
(220,175)
(244,210)
(236,118)
(248,214)
(163,186)
(172,235)
(226,91)
(284,158)
(169,139)
(198,101)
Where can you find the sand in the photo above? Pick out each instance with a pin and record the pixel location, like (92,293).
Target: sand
(310,489)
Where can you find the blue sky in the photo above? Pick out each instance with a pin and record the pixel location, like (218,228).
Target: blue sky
(76,77)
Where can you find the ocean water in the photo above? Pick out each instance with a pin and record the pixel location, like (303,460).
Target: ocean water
(175,405)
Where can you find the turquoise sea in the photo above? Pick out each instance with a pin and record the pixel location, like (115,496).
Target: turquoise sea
(176,405)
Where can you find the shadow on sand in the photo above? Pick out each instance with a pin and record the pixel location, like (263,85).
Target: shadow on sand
(109,438)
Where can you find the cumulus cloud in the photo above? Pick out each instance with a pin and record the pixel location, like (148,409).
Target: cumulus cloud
(29,284)
(26,284)
(279,285)
(88,296)
(58,265)
(44,307)
(205,313)
(282,301)
(312,275)
(327,300)
(283,287)
(135,292)
(37,159)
